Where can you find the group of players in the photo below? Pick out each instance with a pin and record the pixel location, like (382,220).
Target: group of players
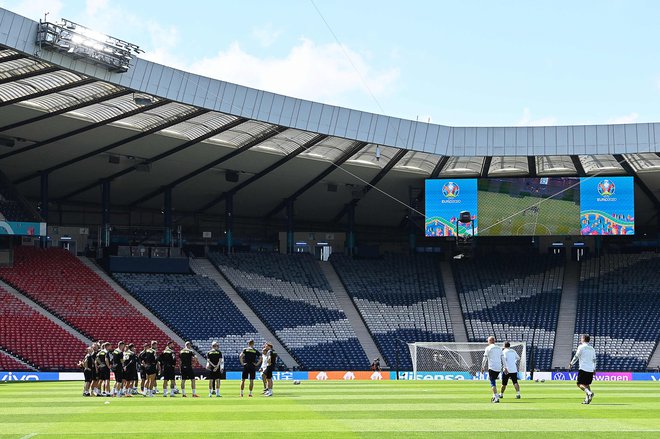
(145,367)
(505,361)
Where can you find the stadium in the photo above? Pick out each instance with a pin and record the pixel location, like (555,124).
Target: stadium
(139,202)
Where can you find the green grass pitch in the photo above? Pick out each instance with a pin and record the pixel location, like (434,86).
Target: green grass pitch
(337,410)
(556,217)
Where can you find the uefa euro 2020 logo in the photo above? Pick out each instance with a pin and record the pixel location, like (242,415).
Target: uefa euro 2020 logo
(450,190)
(606,188)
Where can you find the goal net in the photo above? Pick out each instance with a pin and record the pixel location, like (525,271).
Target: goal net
(457,357)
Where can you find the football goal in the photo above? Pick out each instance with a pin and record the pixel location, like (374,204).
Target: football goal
(456,357)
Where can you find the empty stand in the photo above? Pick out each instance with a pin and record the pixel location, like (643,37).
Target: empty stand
(11,209)
(619,305)
(62,284)
(36,339)
(9,363)
(196,308)
(512,297)
(292,297)
(399,297)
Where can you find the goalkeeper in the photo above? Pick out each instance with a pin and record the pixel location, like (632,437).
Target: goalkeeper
(493,358)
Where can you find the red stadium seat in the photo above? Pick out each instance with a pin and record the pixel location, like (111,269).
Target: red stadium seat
(65,286)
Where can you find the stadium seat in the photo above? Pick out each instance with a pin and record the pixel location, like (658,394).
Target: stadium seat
(35,339)
(73,292)
(515,299)
(400,298)
(196,308)
(618,305)
(293,298)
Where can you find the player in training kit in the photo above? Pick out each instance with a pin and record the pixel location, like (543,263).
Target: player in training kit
(149,367)
(167,361)
(264,364)
(87,365)
(271,358)
(511,359)
(250,360)
(493,359)
(103,369)
(143,374)
(129,370)
(215,365)
(187,373)
(95,377)
(586,355)
(115,365)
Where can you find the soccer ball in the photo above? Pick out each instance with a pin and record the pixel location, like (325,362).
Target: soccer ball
(536,380)
(543,380)
(296,382)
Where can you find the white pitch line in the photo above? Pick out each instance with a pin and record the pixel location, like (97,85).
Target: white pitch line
(28,436)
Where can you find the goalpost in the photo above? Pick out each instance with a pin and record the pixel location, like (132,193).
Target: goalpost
(457,357)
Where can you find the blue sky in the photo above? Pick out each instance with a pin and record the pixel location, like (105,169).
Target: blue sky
(455,63)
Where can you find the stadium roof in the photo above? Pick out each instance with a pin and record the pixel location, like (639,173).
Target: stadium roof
(155,127)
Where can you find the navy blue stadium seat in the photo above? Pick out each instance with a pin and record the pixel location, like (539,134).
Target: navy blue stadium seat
(400,298)
(293,298)
(514,298)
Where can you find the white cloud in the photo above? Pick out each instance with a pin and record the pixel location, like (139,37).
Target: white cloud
(35,9)
(309,70)
(266,35)
(529,121)
(92,7)
(626,118)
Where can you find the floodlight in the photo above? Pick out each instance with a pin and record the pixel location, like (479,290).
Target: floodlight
(80,42)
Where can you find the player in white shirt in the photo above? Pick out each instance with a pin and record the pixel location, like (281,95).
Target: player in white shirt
(264,365)
(493,358)
(586,355)
(511,359)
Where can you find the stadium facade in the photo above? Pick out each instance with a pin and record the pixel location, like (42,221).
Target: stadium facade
(156,139)
(102,152)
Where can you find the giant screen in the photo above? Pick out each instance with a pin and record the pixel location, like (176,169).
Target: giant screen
(532,206)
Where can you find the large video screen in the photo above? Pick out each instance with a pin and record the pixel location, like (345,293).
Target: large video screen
(529,206)
(532,206)
(445,200)
(607,206)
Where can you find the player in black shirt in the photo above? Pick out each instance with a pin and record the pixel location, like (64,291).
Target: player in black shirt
(250,360)
(95,377)
(143,375)
(103,369)
(87,364)
(215,365)
(150,368)
(115,364)
(167,363)
(187,373)
(129,366)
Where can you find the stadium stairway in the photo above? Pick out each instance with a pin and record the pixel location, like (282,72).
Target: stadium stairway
(352,314)
(136,304)
(36,307)
(453,303)
(204,267)
(567,313)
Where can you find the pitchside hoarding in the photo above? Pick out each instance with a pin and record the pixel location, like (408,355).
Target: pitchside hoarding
(22,376)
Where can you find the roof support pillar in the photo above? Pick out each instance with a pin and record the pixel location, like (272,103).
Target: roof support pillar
(229,222)
(167,216)
(290,226)
(105,213)
(44,206)
(350,236)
